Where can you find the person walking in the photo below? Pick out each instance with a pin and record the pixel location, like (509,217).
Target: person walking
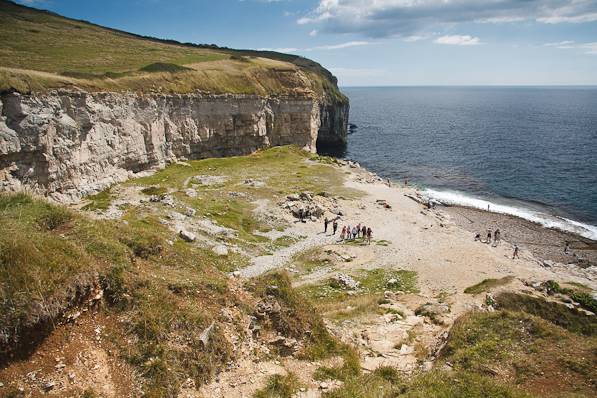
(325,225)
(343,233)
(354,233)
(567,247)
(488,236)
(334,227)
(369,233)
(364,232)
(358,230)
(348,232)
(515,254)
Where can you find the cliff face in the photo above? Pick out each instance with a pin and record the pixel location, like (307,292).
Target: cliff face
(334,123)
(67,144)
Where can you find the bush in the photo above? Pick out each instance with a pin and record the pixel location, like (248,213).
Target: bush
(164,67)
(54,217)
(279,386)
(558,314)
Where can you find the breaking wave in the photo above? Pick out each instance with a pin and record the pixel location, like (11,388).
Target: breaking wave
(527,213)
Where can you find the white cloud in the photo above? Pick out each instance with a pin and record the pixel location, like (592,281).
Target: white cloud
(561,44)
(458,40)
(32,2)
(341,45)
(590,48)
(280,50)
(317,48)
(313,33)
(403,18)
(587,48)
(413,38)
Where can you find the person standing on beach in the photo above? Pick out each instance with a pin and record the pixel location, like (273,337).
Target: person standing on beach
(364,232)
(369,233)
(354,233)
(325,225)
(405,181)
(343,233)
(515,254)
(334,227)
(348,232)
(567,247)
(496,237)
(488,236)
(389,183)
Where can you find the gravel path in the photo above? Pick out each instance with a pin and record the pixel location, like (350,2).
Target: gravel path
(279,258)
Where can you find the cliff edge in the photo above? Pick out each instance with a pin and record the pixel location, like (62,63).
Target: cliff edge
(83,106)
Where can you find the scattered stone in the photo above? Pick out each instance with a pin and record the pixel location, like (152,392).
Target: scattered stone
(293,198)
(346,281)
(337,212)
(393,282)
(548,263)
(204,336)
(434,311)
(220,250)
(306,196)
(323,385)
(254,183)
(48,385)
(190,212)
(187,236)
(236,274)
(209,180)
(285,345)
(190,192)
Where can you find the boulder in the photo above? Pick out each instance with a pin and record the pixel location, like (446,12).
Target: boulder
(434,311)
(187,236)
(190,192)
(346,281)
(220,250)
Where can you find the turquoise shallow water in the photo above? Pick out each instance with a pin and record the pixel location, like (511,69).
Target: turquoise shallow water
(528,151)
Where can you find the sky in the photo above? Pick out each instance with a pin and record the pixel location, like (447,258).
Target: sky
(381,42)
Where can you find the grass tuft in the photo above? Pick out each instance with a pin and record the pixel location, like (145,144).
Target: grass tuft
(488,284)
(279,386)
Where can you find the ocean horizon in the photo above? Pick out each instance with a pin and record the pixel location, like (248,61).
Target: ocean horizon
(527,151)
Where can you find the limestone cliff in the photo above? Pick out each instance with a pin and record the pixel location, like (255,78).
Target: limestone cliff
(67,143)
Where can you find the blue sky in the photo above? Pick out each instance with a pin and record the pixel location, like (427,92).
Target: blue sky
(381,42)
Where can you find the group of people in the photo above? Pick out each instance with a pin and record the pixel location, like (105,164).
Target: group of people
(497,236)
(348,232)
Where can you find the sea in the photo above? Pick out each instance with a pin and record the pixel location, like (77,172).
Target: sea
(525,151)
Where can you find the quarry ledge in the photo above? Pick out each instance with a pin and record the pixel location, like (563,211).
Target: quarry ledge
(66,144)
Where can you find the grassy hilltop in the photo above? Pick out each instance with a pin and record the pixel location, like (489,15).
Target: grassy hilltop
(40,50)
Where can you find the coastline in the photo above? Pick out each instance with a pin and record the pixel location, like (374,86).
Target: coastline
(545,243)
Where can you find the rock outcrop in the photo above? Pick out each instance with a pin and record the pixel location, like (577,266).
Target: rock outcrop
(67,144)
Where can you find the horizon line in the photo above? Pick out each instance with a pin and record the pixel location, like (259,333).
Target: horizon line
(468,85)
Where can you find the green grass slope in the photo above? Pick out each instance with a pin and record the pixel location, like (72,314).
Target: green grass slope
(40,50)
